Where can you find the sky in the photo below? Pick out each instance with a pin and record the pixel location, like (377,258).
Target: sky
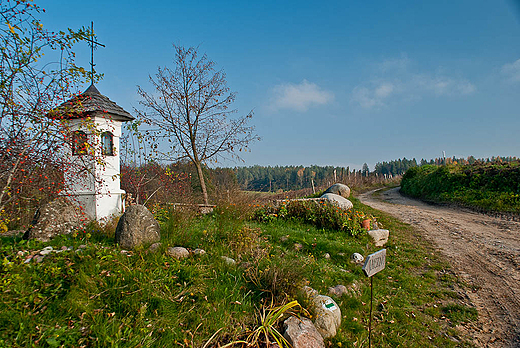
(330,83)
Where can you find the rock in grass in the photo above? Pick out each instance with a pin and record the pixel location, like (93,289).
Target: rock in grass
(199,252)
(380,237)
(55,218)
(327,313)
(338,290)
(337,200)
(357,258)
(137,227)
(154,247)
(301,333)
(178,252)
(46,251)
(339,189)
(229,260)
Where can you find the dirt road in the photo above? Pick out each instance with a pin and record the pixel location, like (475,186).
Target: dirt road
(484,252)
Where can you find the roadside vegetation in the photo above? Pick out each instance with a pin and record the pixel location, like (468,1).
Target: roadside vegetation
(101,296)
(489,187)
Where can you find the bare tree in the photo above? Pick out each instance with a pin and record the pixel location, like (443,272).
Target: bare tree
(189,107)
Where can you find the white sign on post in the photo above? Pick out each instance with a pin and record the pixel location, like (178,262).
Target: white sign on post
(374,263)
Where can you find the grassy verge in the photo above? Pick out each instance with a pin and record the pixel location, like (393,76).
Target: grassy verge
(101,296)
(490,187)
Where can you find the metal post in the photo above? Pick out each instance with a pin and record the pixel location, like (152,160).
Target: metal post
(370,320)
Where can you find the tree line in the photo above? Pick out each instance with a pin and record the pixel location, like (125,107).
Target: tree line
(286,178)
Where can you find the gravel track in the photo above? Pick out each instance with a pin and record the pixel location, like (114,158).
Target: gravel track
(484,251)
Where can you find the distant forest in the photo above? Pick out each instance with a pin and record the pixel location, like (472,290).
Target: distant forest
(285,178)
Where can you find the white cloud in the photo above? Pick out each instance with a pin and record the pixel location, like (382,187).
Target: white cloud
(299,97)
(384,90)
(443,85)
(369,98)
(512,71)
(396,81)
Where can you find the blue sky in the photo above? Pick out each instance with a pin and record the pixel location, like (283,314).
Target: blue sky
(334,83)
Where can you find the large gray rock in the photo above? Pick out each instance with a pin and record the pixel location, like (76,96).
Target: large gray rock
(339,189)
(58,217)
(327,318)
(380,237)
(137,227)
(301,333)
(338,201)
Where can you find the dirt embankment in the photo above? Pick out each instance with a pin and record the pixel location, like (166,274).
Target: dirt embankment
(484,251)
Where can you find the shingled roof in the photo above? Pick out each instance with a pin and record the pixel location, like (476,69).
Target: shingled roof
(91,103)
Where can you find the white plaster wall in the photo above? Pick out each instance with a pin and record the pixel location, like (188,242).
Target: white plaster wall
(100,194)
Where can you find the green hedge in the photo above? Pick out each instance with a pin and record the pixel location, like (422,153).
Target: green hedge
(490,187)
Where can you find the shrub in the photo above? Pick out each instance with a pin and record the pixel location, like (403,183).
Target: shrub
(318,213)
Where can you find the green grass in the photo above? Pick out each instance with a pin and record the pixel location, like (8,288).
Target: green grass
(100,297)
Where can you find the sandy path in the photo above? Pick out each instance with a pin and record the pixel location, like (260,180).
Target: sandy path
(484,251)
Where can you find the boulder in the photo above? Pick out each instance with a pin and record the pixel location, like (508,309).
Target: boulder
(301,333)
(380,237)
(337,200)
(55,218)
(339,189)
(178,252)
(136,227)
(326,312)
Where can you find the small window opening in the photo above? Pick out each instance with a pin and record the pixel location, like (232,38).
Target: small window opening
(79,143)
(107,143)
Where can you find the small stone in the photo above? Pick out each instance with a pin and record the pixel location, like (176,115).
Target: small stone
(357,258)
(178,252)
(154,247)
(199,252)
(338,290)
(326,256)
(70,248)
(64,248)
(28,259)
(82,246)
(380,237)
(20,253)
(229,260)
(38,258)
(46,250)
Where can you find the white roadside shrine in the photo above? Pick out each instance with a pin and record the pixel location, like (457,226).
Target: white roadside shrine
(95,124)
